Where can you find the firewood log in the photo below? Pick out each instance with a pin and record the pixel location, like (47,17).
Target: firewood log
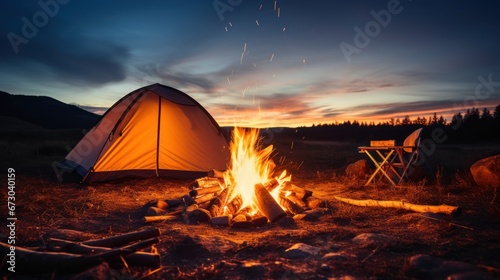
(149,219)
(216,173)
(197,216)
(296,200)
(313,202)
(271,184)
(267,204)
(239,218)
(242,224)
(234,205)
(155,211)
(299,192)
(221,220)
(120,240)
(259,221)
(134,259)
(442,209)
(217,203)
(290,206)
(204,198)
(205,182)
(47,262)
(214,189)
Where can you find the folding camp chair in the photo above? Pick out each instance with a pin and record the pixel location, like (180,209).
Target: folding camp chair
(407,155)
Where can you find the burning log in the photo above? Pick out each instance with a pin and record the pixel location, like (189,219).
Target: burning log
(267,204)
(299,192)
(291,205)
(239,218)
(217,203)
(271,184)
(437,209)
(234,205)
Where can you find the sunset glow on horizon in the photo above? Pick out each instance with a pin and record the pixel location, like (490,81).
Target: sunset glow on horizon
(260,64)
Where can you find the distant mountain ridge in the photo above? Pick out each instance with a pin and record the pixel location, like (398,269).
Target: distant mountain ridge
(45,112)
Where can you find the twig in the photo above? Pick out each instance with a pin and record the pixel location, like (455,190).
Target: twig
(371,254)
(453,224)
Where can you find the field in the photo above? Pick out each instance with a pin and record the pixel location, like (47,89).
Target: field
(352,242)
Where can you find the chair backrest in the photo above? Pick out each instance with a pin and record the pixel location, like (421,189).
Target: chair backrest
(412,140)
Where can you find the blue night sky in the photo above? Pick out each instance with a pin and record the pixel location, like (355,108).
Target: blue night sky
(260,63)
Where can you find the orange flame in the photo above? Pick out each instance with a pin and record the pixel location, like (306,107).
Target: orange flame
(250,166)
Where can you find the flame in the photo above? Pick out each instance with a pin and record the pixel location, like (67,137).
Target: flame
(250,166)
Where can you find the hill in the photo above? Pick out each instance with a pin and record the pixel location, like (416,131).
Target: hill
(45,112)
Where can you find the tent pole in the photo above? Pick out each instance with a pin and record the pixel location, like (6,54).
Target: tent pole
(158,137)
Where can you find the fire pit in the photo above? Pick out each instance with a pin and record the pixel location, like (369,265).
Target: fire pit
(248,194)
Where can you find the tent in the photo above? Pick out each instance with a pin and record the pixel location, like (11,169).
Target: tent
(153,131)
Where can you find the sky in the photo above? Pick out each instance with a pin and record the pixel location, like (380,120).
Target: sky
(260,63)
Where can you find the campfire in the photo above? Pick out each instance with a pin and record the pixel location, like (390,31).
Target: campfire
(248,194)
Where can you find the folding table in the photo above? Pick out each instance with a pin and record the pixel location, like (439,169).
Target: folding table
(385,155)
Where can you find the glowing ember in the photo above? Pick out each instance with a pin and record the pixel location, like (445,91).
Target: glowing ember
(250,166)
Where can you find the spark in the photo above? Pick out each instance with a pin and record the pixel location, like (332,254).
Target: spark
(272,56)
(229,82)
(225,28)
(241,58)
(275,5)
(260,8)
(279,9)
(254,65)
(256,21)
(230,24)
(245,47)
(284,29)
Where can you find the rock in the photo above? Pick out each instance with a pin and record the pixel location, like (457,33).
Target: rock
(252,270)
(301,251)
(367,239)
(486,172)
(215,244)
(428,267)
(338,256)
(359,169)
(189,249)
(325,267)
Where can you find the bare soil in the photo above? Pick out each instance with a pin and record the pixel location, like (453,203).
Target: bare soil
(206,252)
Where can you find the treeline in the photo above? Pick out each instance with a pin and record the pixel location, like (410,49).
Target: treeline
(472,126)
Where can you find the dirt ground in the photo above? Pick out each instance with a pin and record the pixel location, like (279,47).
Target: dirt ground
(350,242)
